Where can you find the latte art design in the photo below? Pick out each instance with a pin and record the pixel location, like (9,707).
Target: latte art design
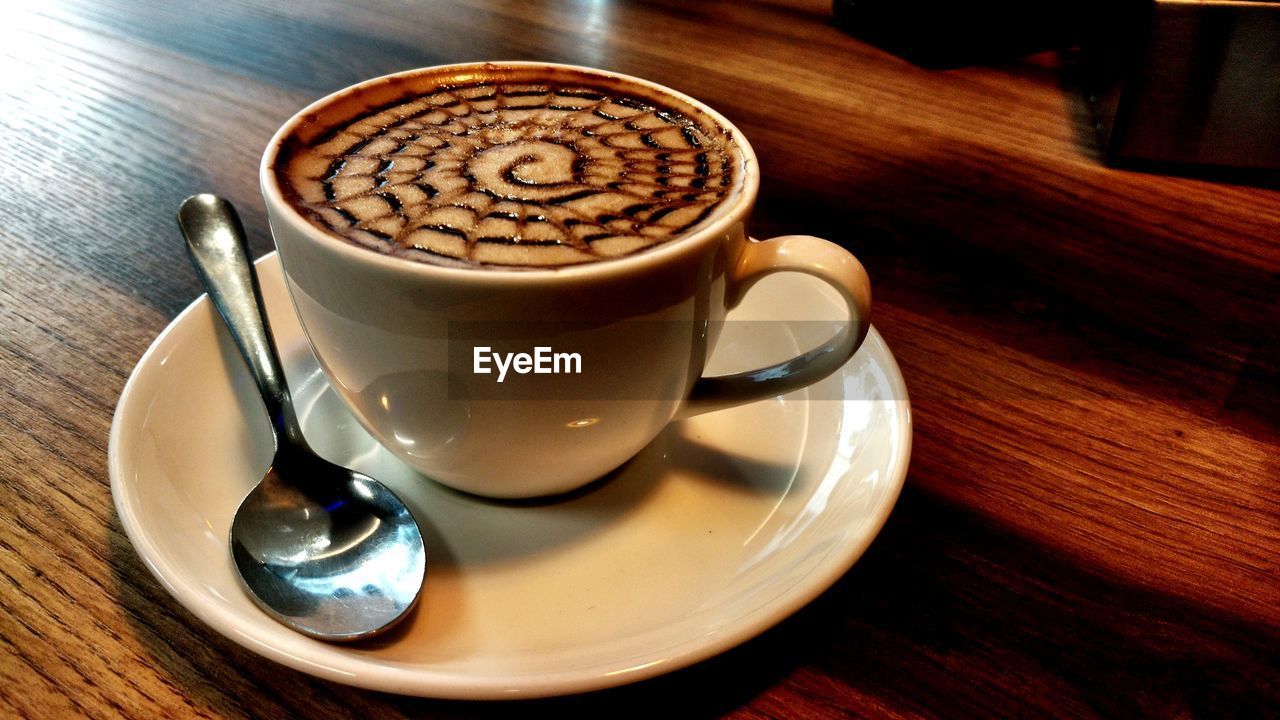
(512,175)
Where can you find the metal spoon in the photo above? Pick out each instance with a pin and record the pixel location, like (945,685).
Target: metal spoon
(325,550)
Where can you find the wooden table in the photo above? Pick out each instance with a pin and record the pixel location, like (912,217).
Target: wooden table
(1091,523)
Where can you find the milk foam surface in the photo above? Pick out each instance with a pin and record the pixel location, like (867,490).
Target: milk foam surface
(513,174)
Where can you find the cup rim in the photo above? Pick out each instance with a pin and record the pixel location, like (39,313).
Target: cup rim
(719,225)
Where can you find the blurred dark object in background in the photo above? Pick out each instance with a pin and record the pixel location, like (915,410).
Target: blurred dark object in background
(945,34)
(1172,83)
(1188,83)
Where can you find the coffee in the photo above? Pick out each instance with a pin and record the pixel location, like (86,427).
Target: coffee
(517,166)
(509,170)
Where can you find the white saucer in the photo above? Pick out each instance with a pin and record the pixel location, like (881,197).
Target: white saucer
(724,526)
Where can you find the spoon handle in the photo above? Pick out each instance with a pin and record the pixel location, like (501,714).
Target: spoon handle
(218,250)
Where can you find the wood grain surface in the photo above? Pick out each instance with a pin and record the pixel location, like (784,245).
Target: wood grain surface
(1091,525)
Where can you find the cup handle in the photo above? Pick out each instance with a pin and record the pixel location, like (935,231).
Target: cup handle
(790,253)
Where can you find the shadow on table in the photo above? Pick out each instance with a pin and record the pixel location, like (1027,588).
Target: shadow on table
(1007,260)
(945,616)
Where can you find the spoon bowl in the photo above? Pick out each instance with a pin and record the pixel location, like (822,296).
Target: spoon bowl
(327,551)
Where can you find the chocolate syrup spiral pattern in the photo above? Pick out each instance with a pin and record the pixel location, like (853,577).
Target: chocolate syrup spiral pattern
(513,175)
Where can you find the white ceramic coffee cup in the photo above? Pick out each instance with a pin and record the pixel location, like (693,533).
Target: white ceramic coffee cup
(382,329)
